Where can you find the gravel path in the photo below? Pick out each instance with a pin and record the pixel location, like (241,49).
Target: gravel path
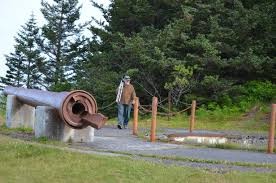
(111,139)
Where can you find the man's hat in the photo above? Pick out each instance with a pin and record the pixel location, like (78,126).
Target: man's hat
(126,77)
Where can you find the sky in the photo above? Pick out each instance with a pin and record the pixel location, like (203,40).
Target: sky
(15,13)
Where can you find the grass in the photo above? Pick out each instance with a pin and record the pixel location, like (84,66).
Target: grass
(23,162)
(4,129)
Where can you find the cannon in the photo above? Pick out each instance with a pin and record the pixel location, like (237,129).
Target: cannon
(78,108)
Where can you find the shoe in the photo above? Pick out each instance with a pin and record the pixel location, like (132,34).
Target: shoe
(125,127)
(119,126)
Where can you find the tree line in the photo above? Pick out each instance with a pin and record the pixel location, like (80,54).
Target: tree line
(219,52)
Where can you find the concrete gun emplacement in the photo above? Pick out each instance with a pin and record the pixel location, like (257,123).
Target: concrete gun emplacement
(78,108)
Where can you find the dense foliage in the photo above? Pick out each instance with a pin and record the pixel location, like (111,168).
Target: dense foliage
(212,51)
(219,52)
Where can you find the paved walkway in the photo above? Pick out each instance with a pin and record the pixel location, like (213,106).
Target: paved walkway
(111,139)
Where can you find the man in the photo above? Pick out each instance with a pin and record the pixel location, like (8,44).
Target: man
(125,98)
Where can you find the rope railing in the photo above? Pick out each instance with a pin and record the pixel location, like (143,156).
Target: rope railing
(145,110)
(153,109)
(185,103)
(162,113)
(162,101)
(164,108)
(145,105)
(154,113)
(178,112)
(107,106)
(143,113)
(173,113)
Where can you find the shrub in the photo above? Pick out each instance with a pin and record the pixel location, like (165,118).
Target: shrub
(263,91)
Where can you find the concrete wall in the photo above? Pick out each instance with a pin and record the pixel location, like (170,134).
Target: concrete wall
(19,114)
(49,124)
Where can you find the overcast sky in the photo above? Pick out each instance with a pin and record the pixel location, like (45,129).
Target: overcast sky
(15,13)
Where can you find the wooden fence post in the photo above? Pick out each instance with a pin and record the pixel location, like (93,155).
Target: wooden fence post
(192,117)
(271,133)
(153,119)
(135,116)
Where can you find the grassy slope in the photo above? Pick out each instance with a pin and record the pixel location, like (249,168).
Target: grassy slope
(22,162)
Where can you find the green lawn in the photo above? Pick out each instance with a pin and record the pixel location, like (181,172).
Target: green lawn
(23,162)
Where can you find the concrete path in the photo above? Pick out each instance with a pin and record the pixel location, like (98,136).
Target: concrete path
(122,141)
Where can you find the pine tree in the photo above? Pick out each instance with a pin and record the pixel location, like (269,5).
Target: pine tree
(33,64)
(60,41)
(14,75)
(25,63)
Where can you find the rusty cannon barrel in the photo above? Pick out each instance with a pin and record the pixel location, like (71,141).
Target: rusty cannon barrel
(78,109)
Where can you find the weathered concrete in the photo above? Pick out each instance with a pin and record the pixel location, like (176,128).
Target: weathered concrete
(49,124)
(83,135)
(19,114)
(201,138)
